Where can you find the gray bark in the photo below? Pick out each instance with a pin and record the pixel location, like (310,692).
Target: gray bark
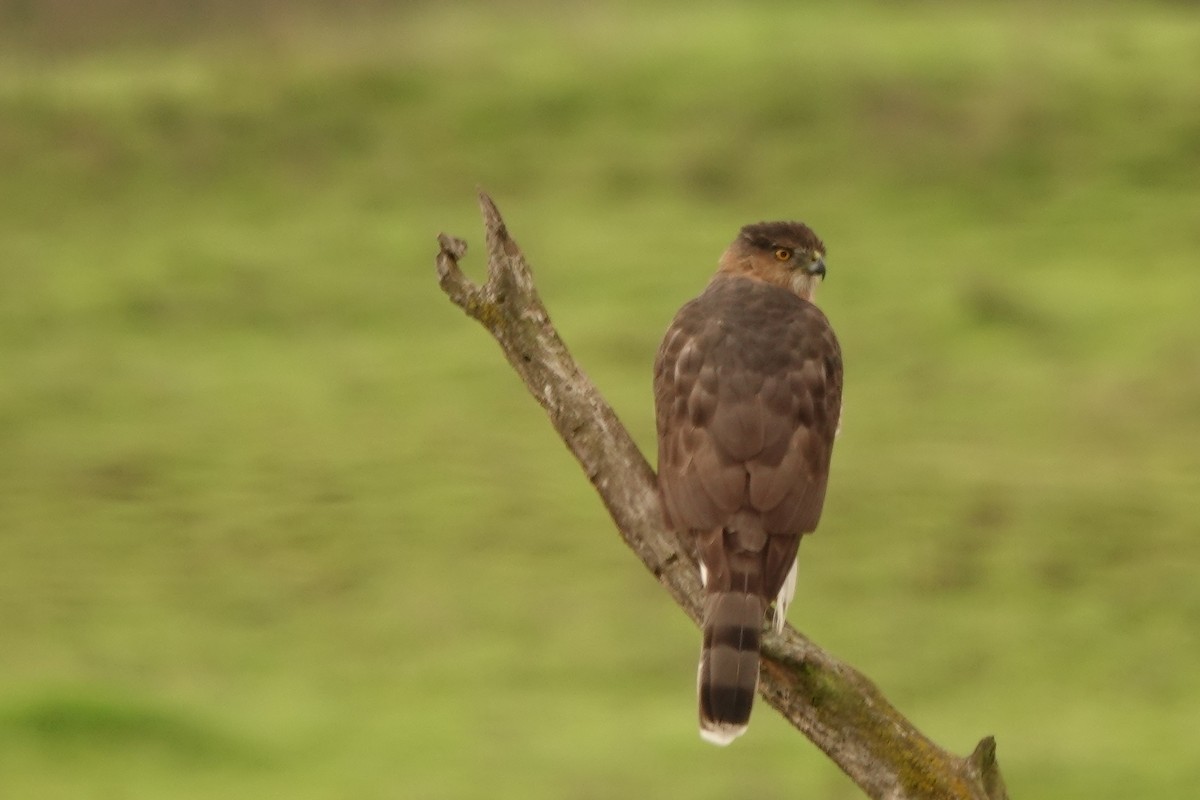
(830,702)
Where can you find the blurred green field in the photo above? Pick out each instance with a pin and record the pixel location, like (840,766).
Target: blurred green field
(276,520)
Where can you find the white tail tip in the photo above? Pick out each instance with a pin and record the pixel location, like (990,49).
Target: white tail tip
(721,735)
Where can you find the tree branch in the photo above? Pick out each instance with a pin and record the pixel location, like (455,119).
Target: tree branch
(831,703)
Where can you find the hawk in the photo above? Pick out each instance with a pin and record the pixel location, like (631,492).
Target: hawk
(747,394)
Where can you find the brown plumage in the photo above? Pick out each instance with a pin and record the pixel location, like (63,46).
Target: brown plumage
(747,389)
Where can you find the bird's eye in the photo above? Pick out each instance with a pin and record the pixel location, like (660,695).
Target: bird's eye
(783,254)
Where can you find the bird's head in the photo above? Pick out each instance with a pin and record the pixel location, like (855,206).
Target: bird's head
(785,254)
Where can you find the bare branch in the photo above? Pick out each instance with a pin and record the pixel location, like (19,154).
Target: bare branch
(831,703)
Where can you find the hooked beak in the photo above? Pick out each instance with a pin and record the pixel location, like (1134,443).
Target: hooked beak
(817,268)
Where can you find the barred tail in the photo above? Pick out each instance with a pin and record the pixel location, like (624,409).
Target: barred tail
(729,663)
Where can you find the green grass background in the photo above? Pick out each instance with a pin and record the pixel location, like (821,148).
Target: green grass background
(276,520)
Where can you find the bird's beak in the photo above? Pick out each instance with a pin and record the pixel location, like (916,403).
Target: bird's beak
(817,268)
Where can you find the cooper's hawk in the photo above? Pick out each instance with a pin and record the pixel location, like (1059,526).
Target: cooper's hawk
(748,392)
